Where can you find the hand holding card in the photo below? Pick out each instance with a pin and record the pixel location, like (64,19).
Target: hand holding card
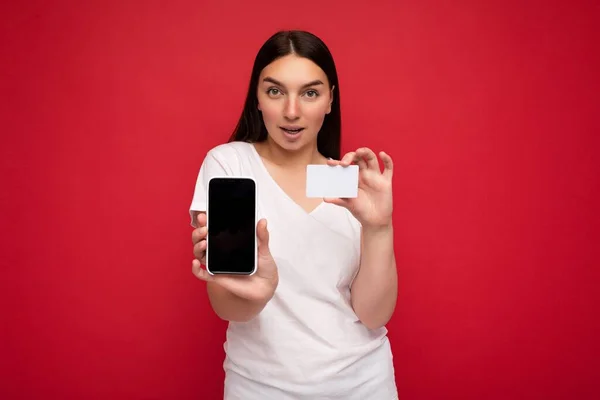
(372,206)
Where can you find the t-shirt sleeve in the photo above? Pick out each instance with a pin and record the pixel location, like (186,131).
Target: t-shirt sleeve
(213,165)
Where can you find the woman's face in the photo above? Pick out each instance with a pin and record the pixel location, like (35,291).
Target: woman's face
(294,96)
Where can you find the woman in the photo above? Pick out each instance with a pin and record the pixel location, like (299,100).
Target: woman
(310,323)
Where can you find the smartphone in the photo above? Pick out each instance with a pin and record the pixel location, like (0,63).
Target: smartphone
(231,244)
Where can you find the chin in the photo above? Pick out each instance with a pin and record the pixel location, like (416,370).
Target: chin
(292,146)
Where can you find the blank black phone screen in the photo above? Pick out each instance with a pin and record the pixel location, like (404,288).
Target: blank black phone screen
(231,226)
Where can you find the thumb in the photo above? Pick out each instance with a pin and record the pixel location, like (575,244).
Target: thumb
(263,238)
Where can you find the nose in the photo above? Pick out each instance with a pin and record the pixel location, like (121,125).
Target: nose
(291,109)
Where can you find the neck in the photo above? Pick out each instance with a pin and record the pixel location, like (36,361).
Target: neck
(290,159)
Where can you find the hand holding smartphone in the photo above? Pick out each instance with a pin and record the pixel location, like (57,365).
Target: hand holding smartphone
(243,266)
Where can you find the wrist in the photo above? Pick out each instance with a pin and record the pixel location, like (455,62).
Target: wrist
(378,229)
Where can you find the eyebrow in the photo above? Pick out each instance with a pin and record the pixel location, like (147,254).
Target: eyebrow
(276,82)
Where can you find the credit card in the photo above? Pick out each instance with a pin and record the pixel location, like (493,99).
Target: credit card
(331,181)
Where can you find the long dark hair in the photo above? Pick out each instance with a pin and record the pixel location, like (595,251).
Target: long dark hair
(251,127)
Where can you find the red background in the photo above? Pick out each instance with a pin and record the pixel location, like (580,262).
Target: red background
(489,109)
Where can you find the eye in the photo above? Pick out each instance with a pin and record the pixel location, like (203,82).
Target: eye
(273,91)
(312,94)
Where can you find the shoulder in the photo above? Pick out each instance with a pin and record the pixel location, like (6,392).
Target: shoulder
(230,155)
(230,151)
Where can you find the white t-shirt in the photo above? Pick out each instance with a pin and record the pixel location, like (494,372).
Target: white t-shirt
(307,343)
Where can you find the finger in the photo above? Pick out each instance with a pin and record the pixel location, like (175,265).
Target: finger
(369,156)
(200,272)
(200,249)
(388,165)
(358,160)
(198,234)
(263,238)
(201,218)
(348,159)
(362,164)
(332,162)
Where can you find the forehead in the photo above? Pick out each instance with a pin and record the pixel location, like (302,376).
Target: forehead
(292,71)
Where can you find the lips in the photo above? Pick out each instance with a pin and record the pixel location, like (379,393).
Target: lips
(292,129)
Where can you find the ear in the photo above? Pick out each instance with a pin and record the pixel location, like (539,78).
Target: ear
(330,100)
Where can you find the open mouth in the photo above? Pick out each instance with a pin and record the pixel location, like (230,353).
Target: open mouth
(292,131)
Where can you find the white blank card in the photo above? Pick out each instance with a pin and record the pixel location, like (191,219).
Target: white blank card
(331,181)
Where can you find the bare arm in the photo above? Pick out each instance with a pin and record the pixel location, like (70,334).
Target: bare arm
(375,288)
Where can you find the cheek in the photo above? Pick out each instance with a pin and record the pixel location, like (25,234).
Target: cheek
(316,112)
(270,112)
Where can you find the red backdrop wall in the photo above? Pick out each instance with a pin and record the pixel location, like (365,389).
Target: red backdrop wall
(489,109)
